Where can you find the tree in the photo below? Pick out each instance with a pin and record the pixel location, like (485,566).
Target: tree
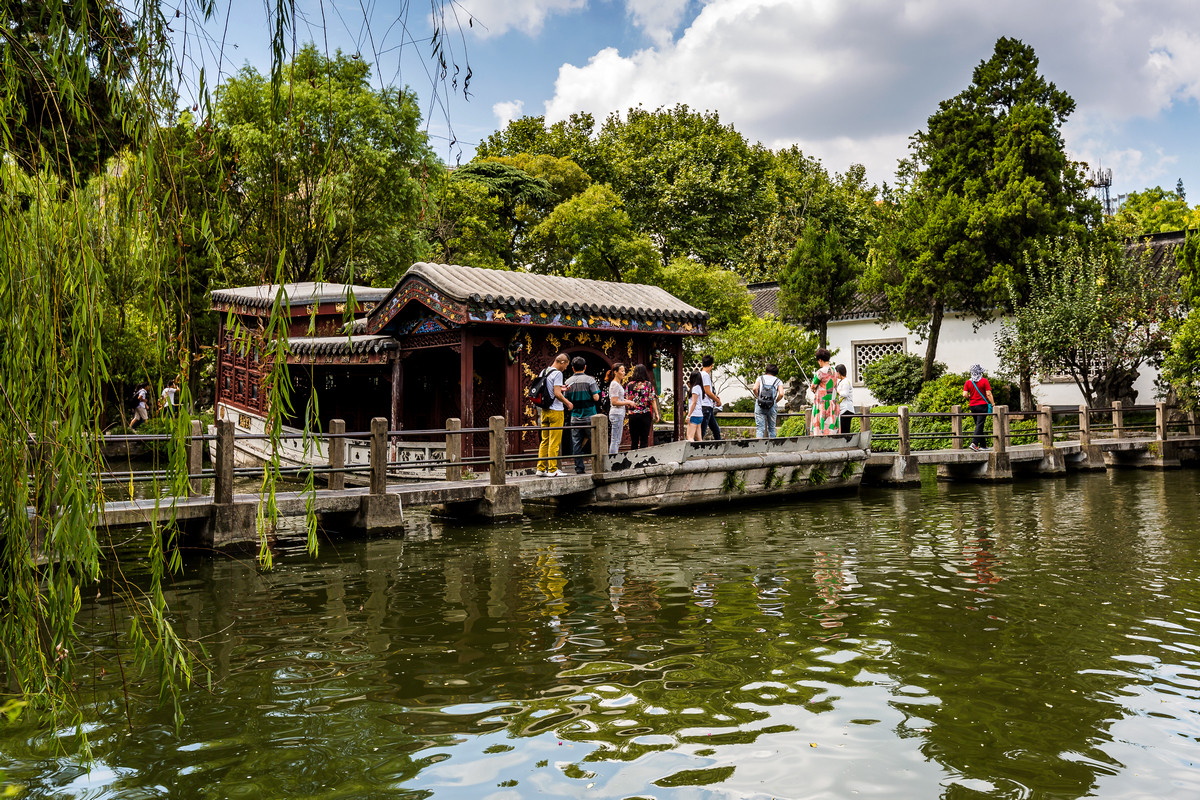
(745,349)
(692,184)
(329,174)
(465,226)
(74,110)
(1157,211)
(819,281)
(989,180)
(572,138)
(590,236)
(1097,314)
(1181,366)
(708,288)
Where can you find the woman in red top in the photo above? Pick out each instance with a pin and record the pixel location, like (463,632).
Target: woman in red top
(978,392)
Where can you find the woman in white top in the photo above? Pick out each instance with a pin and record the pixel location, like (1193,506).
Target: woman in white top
(616,406)
(695,415)
(845,392)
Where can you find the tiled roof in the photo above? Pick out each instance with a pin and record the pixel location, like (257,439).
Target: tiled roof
(339,345)
(298,294)
(554,293)
(764,300)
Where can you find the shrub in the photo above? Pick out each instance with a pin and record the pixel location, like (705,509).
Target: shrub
(792,426)
(895,379)
(939,396)
(743,405)
(934,433)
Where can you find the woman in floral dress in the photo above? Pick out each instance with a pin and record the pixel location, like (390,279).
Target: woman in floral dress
(825,413)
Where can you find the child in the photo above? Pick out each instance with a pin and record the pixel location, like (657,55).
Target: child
(694,415)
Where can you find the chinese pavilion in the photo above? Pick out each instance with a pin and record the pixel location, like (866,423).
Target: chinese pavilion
(446,341)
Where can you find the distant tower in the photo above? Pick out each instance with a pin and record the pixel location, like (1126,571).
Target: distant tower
(1102,182)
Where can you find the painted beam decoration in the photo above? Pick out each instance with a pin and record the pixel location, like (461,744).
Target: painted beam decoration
(420,292)
(568,319)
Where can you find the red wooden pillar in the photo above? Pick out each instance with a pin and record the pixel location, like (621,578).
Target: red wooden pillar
(467,388)
(397,393)
(680,407)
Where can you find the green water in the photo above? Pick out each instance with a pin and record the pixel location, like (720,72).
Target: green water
(1038,639)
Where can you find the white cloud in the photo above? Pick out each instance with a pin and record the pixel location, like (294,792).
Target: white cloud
(507,111)
(658,19)
(496,17)
(850,80)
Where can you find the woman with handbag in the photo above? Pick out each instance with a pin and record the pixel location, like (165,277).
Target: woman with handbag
(978,392)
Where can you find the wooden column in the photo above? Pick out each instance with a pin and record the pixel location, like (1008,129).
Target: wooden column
(379,429)
(599,443)
(1045,426)
(497,450)
(453,449)
(956,437)
(397,393)
(677,390)
(1118,416)
(195,461)
(904,447)
(223,483)
(466,372)
(999,429)
(337,454)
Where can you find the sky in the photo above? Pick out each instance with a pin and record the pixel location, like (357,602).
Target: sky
(849,81)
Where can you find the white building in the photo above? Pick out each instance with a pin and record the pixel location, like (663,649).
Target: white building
(859,338)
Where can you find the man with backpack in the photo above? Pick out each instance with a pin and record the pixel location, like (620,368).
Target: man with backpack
(547,394)
(766,395)
(583,393)
(141,410)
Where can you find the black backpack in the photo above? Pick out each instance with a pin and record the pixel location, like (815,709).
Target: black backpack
(539,392)
(767,395)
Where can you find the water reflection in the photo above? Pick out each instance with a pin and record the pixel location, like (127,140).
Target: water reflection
(1030,639)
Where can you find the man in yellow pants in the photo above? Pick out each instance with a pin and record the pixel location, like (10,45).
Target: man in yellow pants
(552,417)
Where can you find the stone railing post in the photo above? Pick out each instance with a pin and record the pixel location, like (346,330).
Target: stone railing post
(379,455)
(223,482)
(1000,429)
(1191,423)
(1085,426)
(904,447)
(453,449)
(599,443)
(1118,415)
(865,425)
(1046,426)
(497,450)
(1160,421)
(195,459)
(337,454)
(956,437)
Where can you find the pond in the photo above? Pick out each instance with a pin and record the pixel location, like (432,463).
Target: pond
(1036,639)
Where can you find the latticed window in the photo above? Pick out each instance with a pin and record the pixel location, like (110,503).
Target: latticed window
(866,353)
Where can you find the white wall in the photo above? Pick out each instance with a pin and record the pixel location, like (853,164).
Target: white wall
(960,345)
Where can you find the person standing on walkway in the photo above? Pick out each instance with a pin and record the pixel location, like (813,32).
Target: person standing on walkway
(617,404)
(642,409)
(824,418)
(694,416)
(766,391)
(170,396)
(582,392)
(552,419)
(709,402)
(845,395)
(978,392)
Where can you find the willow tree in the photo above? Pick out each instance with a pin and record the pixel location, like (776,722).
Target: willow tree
(79,236)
